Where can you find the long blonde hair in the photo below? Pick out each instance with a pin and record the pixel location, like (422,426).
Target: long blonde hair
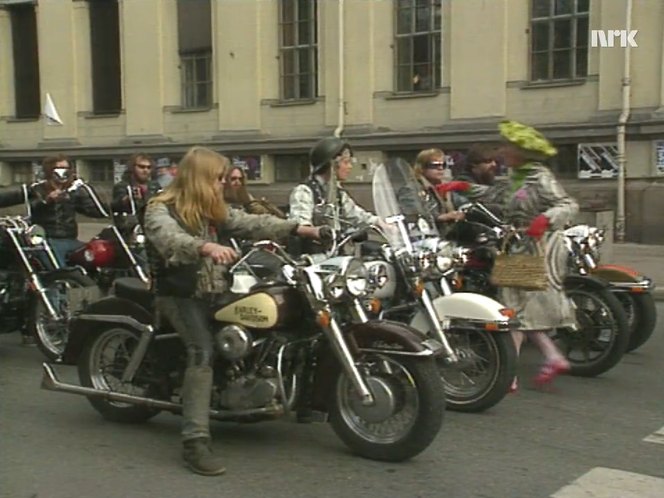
(193,193)
(423,158)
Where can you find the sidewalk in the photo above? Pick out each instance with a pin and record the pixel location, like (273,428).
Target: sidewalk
(646,259)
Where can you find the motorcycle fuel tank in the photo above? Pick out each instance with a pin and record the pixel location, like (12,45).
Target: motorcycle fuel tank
(264,309)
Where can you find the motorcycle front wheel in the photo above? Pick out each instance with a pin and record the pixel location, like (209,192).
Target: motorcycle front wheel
(407,412)
(642,317)
(602,336)
(51,335)
(484,372)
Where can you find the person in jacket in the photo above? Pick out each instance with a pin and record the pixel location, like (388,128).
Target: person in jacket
(533,200)
(163,173)
(237,195)
(321,199)
(55,201)
(183,226)
(480,165)
(131,193)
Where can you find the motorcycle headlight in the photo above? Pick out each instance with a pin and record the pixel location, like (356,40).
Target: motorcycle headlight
(424,260)
(36,234)
(377,276)
(443,263)
(356,278)
(335,287)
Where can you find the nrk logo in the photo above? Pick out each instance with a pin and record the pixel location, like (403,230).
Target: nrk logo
(606,37)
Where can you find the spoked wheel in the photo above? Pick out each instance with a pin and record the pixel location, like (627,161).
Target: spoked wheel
(51,335)
(101,366)
(406,415)
(603,334)
(641,315)
(486,367)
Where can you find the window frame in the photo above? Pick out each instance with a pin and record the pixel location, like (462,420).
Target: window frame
(574,48)
(310,47)
(93,166)
(195,56)
(304,165)
(434,35)
(24,32)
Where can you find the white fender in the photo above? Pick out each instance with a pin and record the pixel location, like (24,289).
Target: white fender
(465,305)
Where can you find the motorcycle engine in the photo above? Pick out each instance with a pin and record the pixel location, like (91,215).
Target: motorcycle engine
(248,392)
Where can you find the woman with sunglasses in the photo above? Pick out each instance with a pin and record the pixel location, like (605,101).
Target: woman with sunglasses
(54,203)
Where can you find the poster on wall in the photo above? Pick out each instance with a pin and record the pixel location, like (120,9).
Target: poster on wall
(598,160)
(118,170)
(251,165)
(659,156)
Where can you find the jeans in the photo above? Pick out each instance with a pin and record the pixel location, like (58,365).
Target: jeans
(189,318)
(62,247)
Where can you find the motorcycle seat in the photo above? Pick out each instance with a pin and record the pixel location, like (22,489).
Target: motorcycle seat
(134,290)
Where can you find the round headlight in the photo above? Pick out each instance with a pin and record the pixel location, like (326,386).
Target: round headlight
(335,287)
(443,263)
(377,276)
(356,278)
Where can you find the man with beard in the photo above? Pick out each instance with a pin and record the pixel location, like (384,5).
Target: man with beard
(130,194)
(480,166)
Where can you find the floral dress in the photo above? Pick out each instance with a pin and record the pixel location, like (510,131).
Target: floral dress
(530,191)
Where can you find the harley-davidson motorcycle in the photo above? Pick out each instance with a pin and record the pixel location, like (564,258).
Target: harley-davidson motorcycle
(633,290)
(301,345)
(602,335)
(36,294)
(410,275)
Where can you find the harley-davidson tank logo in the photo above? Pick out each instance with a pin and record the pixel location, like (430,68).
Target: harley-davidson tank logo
(254,311)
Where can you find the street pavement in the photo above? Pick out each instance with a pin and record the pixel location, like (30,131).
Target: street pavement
(585,439)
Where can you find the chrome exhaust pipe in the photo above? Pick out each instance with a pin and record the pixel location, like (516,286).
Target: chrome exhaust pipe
(51,382)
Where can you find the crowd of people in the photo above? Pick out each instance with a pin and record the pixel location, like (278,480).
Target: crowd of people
(189,213)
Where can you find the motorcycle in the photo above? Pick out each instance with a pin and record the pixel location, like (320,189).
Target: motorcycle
(602,335)
(410,275)
(109,255)
(300,345)
(36,294)
(633,290)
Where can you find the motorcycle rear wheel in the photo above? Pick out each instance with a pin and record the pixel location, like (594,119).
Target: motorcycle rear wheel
(94,372)
(486,368)
(603,335)
(51,337)
(407,414)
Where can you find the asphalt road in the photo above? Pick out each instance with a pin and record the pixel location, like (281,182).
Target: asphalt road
(534,443)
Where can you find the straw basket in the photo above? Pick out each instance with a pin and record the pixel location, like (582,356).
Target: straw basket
(520,271)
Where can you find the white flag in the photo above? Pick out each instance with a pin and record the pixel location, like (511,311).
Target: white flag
(50,112)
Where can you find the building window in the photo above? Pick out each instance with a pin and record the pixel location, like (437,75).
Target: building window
(26,60)
(417,45)
(22,172)
(105,53)
(101,171)
(559,39)
(195,48)
(291,167)
(298,49)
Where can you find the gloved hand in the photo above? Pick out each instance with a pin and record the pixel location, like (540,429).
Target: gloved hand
(538,226)
(453,186)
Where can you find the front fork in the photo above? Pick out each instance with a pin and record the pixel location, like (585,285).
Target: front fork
(438,327)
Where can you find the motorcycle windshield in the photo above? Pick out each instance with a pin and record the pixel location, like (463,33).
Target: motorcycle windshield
(396,192)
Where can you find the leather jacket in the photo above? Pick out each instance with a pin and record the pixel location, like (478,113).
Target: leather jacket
(58,217)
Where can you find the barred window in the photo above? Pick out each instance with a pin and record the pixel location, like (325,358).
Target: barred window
(417,45)
(559,39)
(195,48)
(101,171)
(291,167)
(26,60)
(298,49)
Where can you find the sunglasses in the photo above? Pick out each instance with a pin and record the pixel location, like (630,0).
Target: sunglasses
(435,165)
(144,166)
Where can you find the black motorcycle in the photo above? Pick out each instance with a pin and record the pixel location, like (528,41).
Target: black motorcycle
(36,295)
(292,346)
(603,331)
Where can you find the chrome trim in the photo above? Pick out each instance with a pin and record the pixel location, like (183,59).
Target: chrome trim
(438,327)
(395,352)
(132,259)
(646,284)
(51,382)
(123,319)
(138,355)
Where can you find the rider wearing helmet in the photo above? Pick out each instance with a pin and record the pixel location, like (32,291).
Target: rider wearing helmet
(310,204)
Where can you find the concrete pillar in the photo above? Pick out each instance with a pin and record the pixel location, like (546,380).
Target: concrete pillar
(141,36)
(359,64)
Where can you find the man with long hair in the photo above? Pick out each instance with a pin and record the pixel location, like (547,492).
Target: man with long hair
(131,192)
(184,226)
(236,194)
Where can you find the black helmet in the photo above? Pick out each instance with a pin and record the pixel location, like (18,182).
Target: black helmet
(326,150)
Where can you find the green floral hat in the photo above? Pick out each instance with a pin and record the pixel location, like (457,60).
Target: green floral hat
(526,137)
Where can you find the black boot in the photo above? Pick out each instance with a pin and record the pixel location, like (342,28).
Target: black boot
(200,458)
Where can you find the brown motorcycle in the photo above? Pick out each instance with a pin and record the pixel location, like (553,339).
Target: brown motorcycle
(302,345)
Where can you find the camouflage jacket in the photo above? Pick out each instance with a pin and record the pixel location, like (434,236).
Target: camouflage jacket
(177,247)
(307,210)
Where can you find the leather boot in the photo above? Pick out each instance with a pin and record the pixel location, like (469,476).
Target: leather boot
(196,393)
(200,458)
